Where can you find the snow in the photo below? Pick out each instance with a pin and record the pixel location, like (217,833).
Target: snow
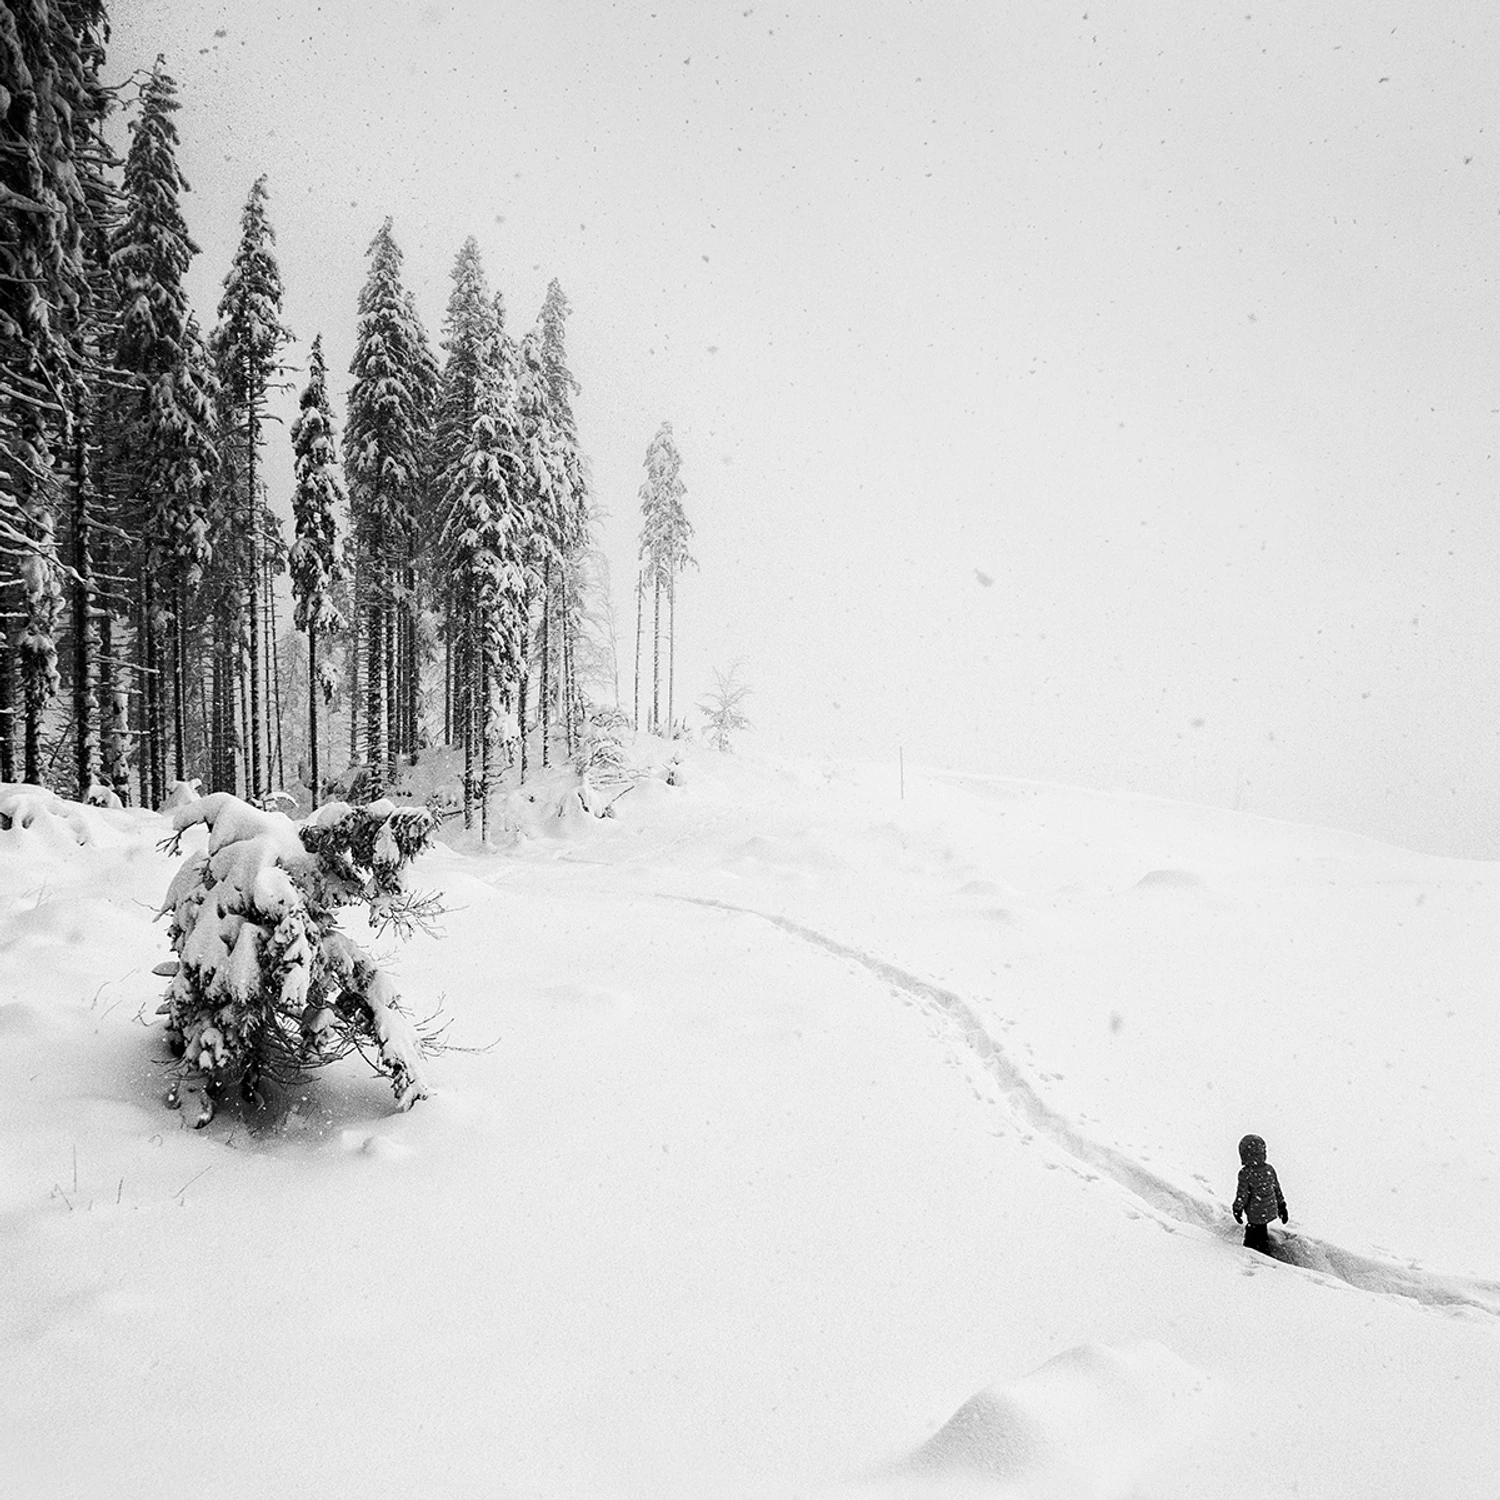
(815,1141)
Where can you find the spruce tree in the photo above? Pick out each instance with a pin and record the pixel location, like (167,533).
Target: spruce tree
(484,542)
(569,518)
(168,431)
(664,554)
(386,451)
(87,321)
(247,347)
(50,55)
(314,558)
(472,335)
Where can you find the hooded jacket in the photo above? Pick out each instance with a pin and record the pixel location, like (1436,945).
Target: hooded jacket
(1258,1195)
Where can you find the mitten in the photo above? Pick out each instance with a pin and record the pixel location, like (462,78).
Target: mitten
(1238,1217)
(1283,1213)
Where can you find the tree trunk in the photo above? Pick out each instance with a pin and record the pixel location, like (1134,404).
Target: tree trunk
(85,720)
(411,659)
(34,703)
(150,721)
(312,706)
(640,609)
(569,685)
(450,615)
(484,747)
(244,696)
(275,684)
(252,602)
(521,687)
(112,725)
(356,619)
(392,700)
(546,663)
(656,657)
(464,696)
(218,739)
(375,654)
(179,686)
(7,697)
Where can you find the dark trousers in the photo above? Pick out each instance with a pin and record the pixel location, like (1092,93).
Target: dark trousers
(1258,1237)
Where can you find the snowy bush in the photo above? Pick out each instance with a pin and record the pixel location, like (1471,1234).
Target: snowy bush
(264,985)
(604,770)
(724,708)
(41,819)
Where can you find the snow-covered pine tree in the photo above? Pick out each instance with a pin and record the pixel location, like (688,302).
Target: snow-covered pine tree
(190,462)
(168,441)
(226,618)
(664,554)
(543,524)
(419,573)
(386,450)
(569,502)
(50,55)
(469,337)
(247,348)
(724,708)
(314,558)
(264,986)
(484,543)
(86,322)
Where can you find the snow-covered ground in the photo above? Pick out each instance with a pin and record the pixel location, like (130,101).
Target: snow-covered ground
(830,1143)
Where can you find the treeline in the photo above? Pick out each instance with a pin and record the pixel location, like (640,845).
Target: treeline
(442,549)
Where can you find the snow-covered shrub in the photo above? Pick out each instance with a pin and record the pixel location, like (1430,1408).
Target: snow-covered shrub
(604,770)
(40,818)
(264,985)
(724,709)
(180,793)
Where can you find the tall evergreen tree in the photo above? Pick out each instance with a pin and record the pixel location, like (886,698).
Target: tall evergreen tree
(314,558)
(472,343)
(484,542)
(386,442)
(87,322)
(247,348)
(168,423)
(50,54)
(569,517)
(664,554)
(543,533)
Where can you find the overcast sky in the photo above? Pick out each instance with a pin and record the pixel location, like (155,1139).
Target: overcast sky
(1105,394)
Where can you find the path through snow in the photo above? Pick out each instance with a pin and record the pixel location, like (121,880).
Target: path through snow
(1167,1201)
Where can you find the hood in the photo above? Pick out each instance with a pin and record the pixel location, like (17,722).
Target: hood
(1252,1149)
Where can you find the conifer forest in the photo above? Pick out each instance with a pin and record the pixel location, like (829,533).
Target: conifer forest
(433,579)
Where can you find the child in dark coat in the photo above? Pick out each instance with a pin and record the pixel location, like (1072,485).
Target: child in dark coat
(1258,1198)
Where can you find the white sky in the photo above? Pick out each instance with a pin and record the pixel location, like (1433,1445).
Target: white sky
(1103,394)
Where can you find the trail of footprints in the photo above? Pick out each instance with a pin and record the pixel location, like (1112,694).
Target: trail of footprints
(1169,1204)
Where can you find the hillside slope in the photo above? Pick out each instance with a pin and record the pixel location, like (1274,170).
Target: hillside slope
(821,1140)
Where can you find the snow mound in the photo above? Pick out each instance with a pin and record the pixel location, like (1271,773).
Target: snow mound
(33,819)
(1172,879)
(1086,1424)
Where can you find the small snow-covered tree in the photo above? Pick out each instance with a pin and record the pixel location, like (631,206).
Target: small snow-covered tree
(722,707)
(265,986)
